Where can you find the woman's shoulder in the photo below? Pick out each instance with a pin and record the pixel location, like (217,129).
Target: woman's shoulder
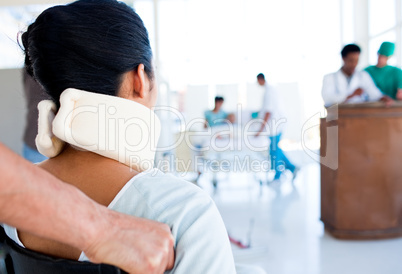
(201,241)
(155,179)
(154,192)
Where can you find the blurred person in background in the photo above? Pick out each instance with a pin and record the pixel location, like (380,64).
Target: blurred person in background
(273,122)
(387,78)
(217,116)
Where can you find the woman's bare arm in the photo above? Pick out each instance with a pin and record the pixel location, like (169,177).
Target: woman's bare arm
(35,201)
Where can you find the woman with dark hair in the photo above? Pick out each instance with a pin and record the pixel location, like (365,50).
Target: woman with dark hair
(94,59)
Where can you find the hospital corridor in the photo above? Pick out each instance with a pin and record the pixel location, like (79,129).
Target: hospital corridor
(201,136)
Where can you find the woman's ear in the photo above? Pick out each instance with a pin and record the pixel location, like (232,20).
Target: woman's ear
(134,85)
(140,84)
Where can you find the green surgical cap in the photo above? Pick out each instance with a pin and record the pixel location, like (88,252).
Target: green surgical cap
(387,49)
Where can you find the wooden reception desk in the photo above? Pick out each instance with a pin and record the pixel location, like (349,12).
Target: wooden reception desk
(361,171)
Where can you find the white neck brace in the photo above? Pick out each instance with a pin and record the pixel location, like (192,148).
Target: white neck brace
(113,127)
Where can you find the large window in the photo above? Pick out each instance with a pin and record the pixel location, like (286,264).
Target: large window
(381,16)
(219,41)
(217,47)
(347,22)
(215,42)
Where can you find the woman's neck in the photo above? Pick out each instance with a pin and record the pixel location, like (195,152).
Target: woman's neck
(98,177)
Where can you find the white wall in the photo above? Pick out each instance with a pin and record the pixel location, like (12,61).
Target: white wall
(12,109)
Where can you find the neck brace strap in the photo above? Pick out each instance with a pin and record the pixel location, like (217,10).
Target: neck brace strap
(113,127)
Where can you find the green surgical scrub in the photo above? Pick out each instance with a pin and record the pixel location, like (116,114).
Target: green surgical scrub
(388,79)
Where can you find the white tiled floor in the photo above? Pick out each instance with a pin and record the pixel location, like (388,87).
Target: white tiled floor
(281,222)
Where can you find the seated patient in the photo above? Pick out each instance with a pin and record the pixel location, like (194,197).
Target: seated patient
(93,57)
(217,116)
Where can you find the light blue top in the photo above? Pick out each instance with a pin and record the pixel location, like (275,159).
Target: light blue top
(215,118)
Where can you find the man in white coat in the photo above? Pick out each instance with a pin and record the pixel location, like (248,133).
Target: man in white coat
(348,85)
